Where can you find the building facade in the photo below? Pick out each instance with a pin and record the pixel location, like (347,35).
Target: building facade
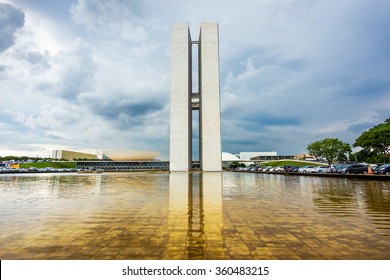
(252,155)
(184,100)
(124,165)
(71,155)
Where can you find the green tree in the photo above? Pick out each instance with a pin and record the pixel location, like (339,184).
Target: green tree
(330,148)
(367,156)
(376,140)
(235,164)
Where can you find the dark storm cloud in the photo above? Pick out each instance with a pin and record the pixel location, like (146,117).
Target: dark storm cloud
(375,87)
(111,111)
(236,145)
(358,128)
(278,121)
(259,119)
(124,113)
(11,19)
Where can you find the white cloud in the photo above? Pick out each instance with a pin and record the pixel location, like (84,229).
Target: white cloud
(98,77)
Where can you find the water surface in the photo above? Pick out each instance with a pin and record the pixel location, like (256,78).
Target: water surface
(192,216)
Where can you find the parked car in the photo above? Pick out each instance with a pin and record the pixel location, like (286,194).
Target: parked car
(279,169)
(383,169)
(306,169)
(322,169)
(354,169)
(295,169)
(336,168)
(292,168)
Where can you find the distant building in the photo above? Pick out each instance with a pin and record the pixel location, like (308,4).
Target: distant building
(251,155)
(129,155)
(267,158)
(124,165)
(115,160)
(71,155)
(306,157)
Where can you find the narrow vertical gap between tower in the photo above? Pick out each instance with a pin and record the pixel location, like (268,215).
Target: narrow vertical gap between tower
(195,104)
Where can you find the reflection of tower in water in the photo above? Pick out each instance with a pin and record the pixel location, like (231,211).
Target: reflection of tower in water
(195,216)
(195,243)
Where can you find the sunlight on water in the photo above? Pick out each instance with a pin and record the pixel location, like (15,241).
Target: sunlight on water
(192,216)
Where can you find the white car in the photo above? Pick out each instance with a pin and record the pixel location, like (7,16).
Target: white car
(279,168)
(322,169)
(306,169)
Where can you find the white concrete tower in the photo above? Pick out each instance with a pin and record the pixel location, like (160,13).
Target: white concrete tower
(183,100)
(209,110)
(180,158)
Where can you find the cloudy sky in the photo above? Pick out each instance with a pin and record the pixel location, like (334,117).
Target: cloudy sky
(91,75)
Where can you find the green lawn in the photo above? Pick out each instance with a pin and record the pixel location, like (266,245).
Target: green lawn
(56,164)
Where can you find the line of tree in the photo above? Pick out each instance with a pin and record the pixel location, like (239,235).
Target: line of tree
(375,144)
(21,158)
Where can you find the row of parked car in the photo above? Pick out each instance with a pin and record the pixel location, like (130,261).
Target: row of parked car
(35,170)
(360,169)
(345,168)
(338,168)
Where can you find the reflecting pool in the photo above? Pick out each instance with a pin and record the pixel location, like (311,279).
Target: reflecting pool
(207,215)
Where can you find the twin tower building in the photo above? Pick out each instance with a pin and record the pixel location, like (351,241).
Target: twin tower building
(184,101)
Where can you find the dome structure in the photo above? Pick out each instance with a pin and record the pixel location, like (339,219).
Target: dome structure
(229,157)
(129,155)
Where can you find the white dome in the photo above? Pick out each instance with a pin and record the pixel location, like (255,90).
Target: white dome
(127,155)
(229,157)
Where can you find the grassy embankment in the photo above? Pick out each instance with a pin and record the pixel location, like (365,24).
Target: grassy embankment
(56,164)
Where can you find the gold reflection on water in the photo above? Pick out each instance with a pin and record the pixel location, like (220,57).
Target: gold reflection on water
(195,216)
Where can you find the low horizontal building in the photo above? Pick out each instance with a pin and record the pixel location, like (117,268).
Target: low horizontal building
(251,155)
(115,160)
(266,158)
(123,165)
